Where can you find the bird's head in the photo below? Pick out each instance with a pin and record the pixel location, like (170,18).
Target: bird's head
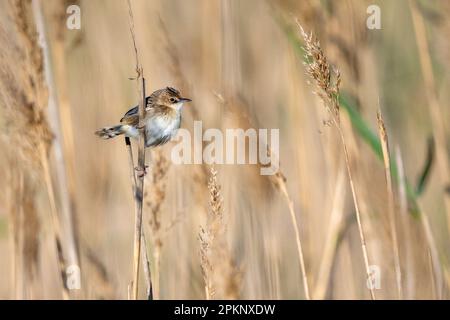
(168,97)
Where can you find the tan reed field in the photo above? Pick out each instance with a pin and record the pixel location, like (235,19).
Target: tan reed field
(358,206)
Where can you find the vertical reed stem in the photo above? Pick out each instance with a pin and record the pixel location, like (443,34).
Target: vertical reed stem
(145,261)
(297,239)
(358,213)
(139,194)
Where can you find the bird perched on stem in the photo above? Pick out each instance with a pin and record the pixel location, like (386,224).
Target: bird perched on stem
(162,119)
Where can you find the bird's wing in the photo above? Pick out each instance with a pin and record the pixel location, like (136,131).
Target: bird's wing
(131,117)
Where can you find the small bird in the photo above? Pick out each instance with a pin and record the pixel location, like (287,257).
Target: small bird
(162,119)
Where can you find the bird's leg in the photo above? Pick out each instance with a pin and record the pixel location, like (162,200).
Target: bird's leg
(141,171)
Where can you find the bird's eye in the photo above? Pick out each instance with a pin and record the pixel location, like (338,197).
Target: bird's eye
(173,100)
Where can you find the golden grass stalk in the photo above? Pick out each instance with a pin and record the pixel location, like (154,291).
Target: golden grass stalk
(437,117)
(219,272)
(138,196)
(327,80)
(391,204)
(280,183)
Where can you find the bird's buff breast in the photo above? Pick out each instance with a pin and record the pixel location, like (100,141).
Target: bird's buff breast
(161,129)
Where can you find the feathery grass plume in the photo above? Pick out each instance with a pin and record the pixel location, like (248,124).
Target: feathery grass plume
(327,80)
(26,136)
(221,276)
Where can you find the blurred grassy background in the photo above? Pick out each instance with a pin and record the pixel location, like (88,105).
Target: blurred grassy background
(244,51)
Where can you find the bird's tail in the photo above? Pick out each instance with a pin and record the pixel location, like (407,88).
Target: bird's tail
(110,132)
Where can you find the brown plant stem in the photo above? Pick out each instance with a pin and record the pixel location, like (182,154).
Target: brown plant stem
(357,211)
(145,261)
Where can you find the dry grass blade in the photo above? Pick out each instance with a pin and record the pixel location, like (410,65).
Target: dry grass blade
(391,204)
(280,183)
(327,79)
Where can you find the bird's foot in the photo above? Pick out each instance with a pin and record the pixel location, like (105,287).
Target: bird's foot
(141,171)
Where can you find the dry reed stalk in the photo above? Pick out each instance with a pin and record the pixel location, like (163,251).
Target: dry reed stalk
(146,266)
(218,268)
(145,261)
(437,116)
(327,80)
(280,182)
(59,61)
(138,196)
(391,202)
(56,226)
(64,218)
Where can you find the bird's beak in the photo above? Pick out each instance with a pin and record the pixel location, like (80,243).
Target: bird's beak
(185,100)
